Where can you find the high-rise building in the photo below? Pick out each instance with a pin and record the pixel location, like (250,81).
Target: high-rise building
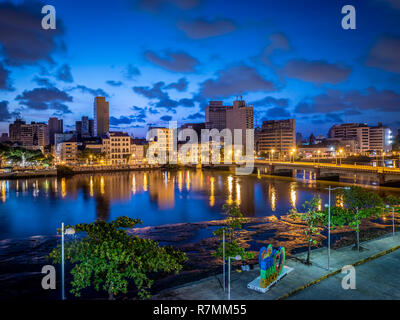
(240,116)
(368,138)
(84,127)
(101,116)
(277,137)
(216,115)
(55,126)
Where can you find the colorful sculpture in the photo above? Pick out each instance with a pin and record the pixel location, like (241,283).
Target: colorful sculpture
(271,264)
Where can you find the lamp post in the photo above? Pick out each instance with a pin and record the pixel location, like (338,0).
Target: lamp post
(237,258)
(64,232)
(329,221)
(223,257)
(271,153)
(387,206)
(319,152)
(294,153)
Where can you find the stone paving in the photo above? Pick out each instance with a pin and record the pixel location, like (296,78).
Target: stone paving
(380,270)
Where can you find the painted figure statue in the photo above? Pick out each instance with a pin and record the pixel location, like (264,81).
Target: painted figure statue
(271,262)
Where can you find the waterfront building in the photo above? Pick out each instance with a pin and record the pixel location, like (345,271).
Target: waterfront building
(68,151)
(101,116)
(277,137)
(55,126)
(58,139)
(369,138)
(240,116)
(117,147)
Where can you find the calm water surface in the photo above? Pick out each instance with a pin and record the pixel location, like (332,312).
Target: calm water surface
(37,206)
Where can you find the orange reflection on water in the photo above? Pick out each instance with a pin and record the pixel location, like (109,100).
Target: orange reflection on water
(293,195)
(63,188)
(272,197)
(212,189)
(91,186)
(102,185)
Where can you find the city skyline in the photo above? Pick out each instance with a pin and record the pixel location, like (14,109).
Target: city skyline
(306,67)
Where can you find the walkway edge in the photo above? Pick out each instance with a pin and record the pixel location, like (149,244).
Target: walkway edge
(338,271)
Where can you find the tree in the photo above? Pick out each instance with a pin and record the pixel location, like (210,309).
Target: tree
(234,224)
(109,257)
(359,204)
(314,219)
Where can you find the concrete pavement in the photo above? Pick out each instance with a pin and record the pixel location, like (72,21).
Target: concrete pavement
(381,270)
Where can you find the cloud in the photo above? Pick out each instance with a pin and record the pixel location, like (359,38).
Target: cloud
(22,39)
(173,61)
(131,72)
(166,118)
(271,101)
(93,92)
(317,71)
(277,41)
(43,82)
(44,99)
(5,81)
(235,80)
(202,28)
(114,83)
(64,74)
(195,116)
(277,112)
(352,101)
(163,99)
(385,54)
(158,5)
(181,85)
(4,113)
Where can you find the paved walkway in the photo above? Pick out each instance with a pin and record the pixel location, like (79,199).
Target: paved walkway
(211,288)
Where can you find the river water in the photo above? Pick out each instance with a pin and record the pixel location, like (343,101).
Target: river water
(30,207)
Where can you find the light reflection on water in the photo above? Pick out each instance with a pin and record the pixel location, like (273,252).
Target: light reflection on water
(38,206)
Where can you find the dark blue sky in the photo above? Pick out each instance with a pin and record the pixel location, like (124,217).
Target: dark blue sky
(157,60)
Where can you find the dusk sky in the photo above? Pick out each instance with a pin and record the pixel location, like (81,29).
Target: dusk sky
(160,60)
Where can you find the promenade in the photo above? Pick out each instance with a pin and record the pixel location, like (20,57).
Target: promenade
(378,261)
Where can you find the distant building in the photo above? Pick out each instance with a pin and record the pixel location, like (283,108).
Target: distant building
(59,138)
(240,116)
(277,136)
(369,138)
(216,115)
(117,147)
(55,126)
(68,151)
(101,116)
(4,138)
(85,127)
(163,136)
(33,134)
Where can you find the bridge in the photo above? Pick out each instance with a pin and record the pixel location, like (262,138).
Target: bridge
(382,175)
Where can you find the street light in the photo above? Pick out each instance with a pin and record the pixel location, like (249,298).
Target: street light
(237,258)
(329,221)
(294,153)
(272,152)
(64,232)
(387,206)
(319,151)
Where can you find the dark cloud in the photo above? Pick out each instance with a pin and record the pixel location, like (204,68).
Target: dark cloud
(181,85)
(43,82)
(202,28)
(5,81)
(114,83)
(385,54)
(164,101)
(44,99)
(352,101)
(22,39)
(93,92)
(195,116)
(235,80)
(271,101)
(158,5)
(277,41)
(277,112)
(63,73)
(138,117)
(166,118)
(4,113)
(173,61)
(317,71)
(131,72)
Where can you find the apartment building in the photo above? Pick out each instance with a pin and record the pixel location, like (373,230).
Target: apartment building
(117,147)
(277,137)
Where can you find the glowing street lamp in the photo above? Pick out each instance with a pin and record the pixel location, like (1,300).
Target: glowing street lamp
(271,153)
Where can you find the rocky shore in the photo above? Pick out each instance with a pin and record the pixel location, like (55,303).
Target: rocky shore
(21,260)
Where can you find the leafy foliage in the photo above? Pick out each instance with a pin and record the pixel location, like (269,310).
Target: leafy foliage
(234,223)
(314,219)
(108,257)
(17,155)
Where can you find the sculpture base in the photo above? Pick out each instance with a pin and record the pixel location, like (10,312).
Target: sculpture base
(255,284)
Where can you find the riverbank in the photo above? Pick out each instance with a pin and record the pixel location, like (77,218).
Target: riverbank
(21,260)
